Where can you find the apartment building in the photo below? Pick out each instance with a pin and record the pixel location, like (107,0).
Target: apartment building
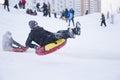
(91,6)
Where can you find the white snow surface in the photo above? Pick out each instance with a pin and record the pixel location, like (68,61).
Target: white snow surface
(94,55)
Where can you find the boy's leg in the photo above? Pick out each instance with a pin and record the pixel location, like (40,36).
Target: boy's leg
(77,29)
(65,34)
(70,32)
(73,21)
(49,39)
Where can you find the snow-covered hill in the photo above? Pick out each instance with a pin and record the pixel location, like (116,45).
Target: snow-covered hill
(94,55)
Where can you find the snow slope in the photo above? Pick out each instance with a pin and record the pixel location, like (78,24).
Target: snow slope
(94,55)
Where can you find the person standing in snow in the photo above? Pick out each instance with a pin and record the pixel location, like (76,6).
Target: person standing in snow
(45,10)
(8,43)
(66,14)
(23,3)
(43,37)
(38,7)
(55,14)
(103,20)
(71,16)
(6,4)
(20,4)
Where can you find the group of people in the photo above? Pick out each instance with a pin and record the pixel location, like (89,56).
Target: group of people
(46,9)
(68,15)
(21,4)
(39,35)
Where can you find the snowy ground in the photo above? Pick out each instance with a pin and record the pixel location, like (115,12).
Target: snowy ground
(94,55)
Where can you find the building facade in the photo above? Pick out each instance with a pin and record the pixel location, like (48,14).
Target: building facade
(90,6)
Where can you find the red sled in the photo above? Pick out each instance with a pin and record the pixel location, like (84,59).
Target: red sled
(23,49)
(52,47)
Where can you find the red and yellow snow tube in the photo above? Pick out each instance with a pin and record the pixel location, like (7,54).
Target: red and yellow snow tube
(49,48)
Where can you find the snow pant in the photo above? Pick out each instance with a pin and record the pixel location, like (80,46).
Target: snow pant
(7,7)
(72,22)
(62,34)
(103,22)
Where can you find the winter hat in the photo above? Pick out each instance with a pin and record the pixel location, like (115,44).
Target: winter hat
(33,24)
(8,33)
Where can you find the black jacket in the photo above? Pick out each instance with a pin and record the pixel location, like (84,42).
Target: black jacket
(39,36)
(103,17)
(6,2)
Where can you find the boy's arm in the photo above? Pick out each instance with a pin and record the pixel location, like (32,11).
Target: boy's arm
(29,43)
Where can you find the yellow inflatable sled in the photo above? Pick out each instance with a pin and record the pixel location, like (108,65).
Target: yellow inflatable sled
(49,48)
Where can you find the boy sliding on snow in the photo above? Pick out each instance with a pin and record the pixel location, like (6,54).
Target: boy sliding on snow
(43,37)
(8,43)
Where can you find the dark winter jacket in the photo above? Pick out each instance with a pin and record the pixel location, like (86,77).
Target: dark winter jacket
(103,17)
(39,36)
(23,2)
(37,5)
(66,13)
(44,6)
(6,2)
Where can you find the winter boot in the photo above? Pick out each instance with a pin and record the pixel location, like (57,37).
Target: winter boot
(71,33)
(77,29)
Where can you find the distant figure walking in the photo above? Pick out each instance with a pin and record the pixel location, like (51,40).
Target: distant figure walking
(6,4)
(103,20)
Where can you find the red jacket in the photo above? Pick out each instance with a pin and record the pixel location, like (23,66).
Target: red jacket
(23,2)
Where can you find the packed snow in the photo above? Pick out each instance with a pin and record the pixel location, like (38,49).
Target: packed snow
(94,55)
